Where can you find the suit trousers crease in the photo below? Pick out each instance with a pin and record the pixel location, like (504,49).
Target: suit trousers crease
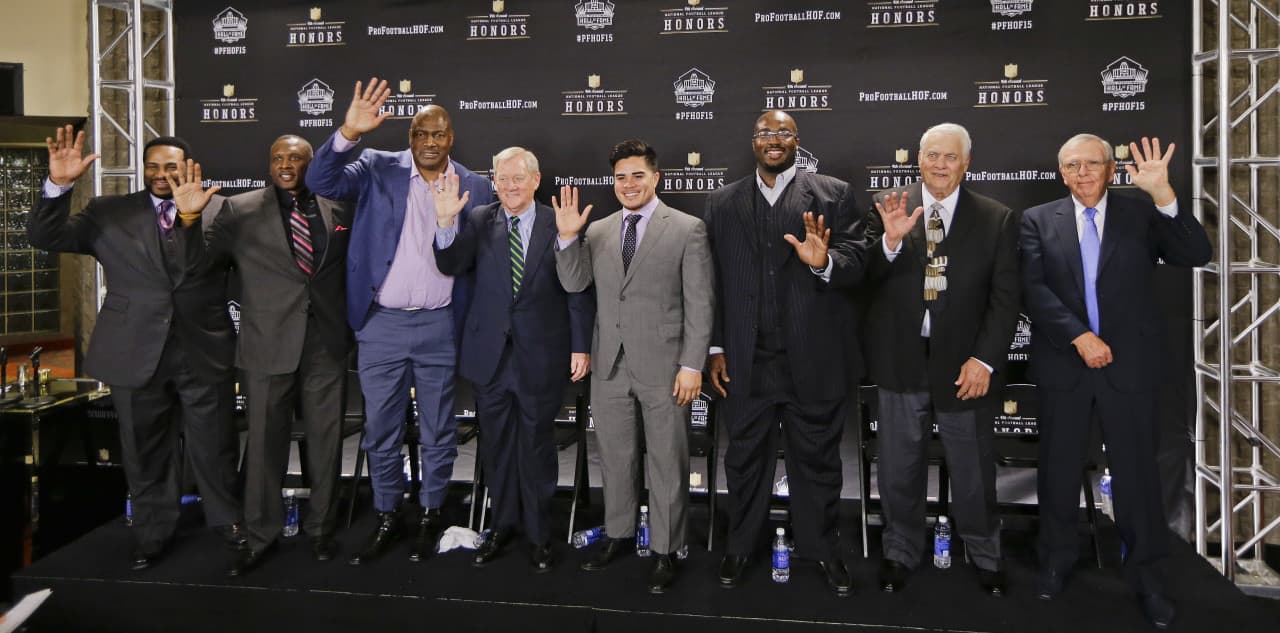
(518,450)
(314,393)
(810,433)
(1130,433)
(666,435)
(399,349)
(151,418)
(904,434)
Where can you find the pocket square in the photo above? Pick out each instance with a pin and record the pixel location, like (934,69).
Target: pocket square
(339,228)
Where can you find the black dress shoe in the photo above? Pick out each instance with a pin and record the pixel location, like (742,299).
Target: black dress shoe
(491,547)
(993,582)
(1050,583)
(430,528)
(246,559)
(145,555)
(323,548)
(610,548)
(541,558)
(234,535)
(1158,609)
(663,574)
(731,570)
(837,576)
(385,534)
(893,575)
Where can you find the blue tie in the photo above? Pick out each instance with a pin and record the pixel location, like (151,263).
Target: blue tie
(1089,247)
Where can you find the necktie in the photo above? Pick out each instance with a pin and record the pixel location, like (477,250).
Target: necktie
(517,254)
(629,240)
(300,237)
(1090,245)
(935,270)
(165,218)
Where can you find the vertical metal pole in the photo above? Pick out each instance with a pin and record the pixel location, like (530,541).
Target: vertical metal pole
(1225,406)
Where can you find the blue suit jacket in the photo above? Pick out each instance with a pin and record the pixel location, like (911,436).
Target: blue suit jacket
(378,183)
(545,323)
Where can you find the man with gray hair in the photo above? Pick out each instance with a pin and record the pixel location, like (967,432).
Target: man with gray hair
(943,305)
(523,338)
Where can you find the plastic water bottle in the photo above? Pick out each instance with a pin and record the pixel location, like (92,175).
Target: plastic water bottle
(290,513)
(642,533)
(128,509)
(583,538)
(1104,488)
(942,543)
(781,557)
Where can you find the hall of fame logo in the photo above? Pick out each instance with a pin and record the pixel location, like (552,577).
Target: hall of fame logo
(694,19)
(498,24)
(900,173)
(1011,91)
(316,31)
(1008,14)
(796,95)
(595,100)
(315,98)
(694,89)
(229,108)
(230,26)
(693,177)
(806,161)
(594,16)
(1122,10)
(1124,79)
(1019,346)
(404,103)
(901,13)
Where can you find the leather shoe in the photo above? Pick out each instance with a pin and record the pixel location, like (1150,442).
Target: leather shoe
(610,548)
(246,559)
(732,568)
(1158,609)
(385,534)
(893,575)
(430,528)
(663,574)
(491,547)
(145,555)
(837,576)
(234,535)
(323,548)
(993,582)
(1050,583)
(541,558)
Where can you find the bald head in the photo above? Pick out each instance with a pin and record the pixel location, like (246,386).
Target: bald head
(774,141)
(430,140)
(288,159)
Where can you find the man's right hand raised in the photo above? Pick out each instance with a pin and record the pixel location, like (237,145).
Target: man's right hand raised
(363,115)
(67,161)
(569,222)
(1093,350)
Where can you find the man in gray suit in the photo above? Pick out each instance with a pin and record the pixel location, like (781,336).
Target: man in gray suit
(651,266)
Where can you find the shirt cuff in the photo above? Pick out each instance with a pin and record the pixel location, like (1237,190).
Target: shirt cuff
(52,190)
(825,273)
(341,144)
(888,254)
(446,235)
(715,349)
(696,371)
(562,243)
(990,369)
(1169,210)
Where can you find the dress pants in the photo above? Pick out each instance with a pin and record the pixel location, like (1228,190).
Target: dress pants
(399,349)
(1131,435)
(151,417)
(518,449)
(906,428)
(314,393)
(614,394)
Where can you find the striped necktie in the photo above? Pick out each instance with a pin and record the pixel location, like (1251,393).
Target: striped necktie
(629,240)
(517,254)
(164,218)
(300,237)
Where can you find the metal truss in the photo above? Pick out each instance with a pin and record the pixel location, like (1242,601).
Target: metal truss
(1236,178)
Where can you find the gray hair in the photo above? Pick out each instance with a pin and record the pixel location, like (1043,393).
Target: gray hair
(530,161)
(948,128)
(1081,138)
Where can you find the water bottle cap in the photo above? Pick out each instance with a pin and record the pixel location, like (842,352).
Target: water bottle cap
(782,532)
(942,518)
(644,508)
(1106,471)
(289,492)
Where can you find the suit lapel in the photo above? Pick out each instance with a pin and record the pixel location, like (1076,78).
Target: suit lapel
(744,204)
(326,214)
(539,245)
(500,237)
(1069,241)
(963,220)
(1114,227)
(611,247)
(796,199)
(919,245)
(144,223)
(652,233)
(398,189)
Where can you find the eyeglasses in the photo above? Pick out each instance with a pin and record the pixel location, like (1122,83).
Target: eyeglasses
(768,135)
(1092,166)
(511,180)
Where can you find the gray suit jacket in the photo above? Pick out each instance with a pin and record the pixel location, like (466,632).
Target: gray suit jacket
(661,310)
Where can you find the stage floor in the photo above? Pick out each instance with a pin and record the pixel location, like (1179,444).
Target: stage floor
(93,590)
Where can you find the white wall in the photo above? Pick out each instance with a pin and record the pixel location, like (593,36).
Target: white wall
(50,39)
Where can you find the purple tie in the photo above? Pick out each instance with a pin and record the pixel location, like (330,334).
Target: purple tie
(300,237)
(164,219)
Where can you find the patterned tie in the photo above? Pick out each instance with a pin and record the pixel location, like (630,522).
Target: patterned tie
(517,254)
(629,240)
(300,237)
(935,270)
(1090,245)
(165,218)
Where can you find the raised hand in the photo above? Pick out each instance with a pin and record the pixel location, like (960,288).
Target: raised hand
(897,223)
(66,156)
(189,194)
(813,250)
(1150,169)
(568,221)
(448,203)
(362,114)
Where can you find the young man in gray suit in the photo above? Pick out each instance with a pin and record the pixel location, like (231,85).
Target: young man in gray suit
(651,266)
